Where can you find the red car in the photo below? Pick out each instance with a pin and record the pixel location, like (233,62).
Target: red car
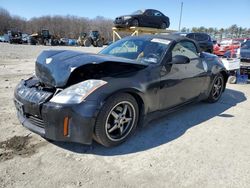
(225,45)
(242,40)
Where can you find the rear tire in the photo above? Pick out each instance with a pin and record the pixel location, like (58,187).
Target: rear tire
(99,43)
(116,120)
(163,25)
(217,89)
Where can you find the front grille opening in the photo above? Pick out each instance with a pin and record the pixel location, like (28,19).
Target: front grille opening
(35,121)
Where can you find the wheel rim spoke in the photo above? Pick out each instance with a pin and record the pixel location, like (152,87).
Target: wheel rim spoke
(217,88)
(114,114)
(121,129)
(125,109)
(127,120)
(113,128)
(120,121)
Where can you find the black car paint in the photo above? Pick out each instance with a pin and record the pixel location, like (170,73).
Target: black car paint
(145,20)
(158,87)
(66,62)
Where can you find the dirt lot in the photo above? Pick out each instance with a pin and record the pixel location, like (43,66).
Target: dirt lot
(203,145)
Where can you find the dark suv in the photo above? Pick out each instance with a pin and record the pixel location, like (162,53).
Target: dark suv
(203,39)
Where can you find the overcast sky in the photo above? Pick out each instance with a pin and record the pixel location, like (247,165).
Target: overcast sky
(208,13)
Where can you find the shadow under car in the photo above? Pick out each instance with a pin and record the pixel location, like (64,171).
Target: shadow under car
(160,131)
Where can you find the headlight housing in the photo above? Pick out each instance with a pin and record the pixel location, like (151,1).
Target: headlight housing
(75,94)
(127,17)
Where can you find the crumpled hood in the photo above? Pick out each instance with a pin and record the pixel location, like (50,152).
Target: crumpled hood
(54,67)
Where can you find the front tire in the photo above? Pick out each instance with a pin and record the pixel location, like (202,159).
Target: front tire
(116,120)
(135,23)
(217,89)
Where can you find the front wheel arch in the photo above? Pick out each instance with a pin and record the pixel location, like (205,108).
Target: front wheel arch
(211,98)
(100,130)
(225,76)
(139,99)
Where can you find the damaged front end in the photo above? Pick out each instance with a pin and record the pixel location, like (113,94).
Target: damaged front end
(52,103)
(61,69)
(55,121)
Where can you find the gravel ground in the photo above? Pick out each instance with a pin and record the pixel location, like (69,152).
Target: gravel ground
(202,145)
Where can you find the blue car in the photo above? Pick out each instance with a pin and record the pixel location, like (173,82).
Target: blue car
(244,51)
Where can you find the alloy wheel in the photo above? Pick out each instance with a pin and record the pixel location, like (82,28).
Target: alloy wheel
(120,121)
(217,88)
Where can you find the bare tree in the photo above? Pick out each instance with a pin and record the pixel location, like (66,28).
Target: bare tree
(71,26)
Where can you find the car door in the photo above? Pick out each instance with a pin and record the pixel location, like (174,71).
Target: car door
(149,19)
(158,17)
(181,82)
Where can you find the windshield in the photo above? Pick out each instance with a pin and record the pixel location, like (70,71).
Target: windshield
(138,12)
(141,50)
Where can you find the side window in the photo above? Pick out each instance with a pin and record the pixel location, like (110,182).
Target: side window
(191,36)
(148,13)
(156,13)
(201,37)
(185,48)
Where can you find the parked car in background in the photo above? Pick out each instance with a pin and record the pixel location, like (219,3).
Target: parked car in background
(64,41)
(243,52)
(225,45)
(242,40)
(25,38)
(1,39)
(6,38)
(203,39)
(72,42)
(77,97)
(15,37)
(143,18)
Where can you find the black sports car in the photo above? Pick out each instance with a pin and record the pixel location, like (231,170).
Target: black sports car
(78,96)
(143,18)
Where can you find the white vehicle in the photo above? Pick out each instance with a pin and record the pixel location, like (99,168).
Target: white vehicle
(233,66)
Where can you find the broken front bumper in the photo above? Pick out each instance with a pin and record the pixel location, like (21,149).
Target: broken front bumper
(59,122)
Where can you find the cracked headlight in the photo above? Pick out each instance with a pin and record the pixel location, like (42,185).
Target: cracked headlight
(75,94)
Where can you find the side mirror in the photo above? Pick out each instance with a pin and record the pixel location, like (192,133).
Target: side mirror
(180,59)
